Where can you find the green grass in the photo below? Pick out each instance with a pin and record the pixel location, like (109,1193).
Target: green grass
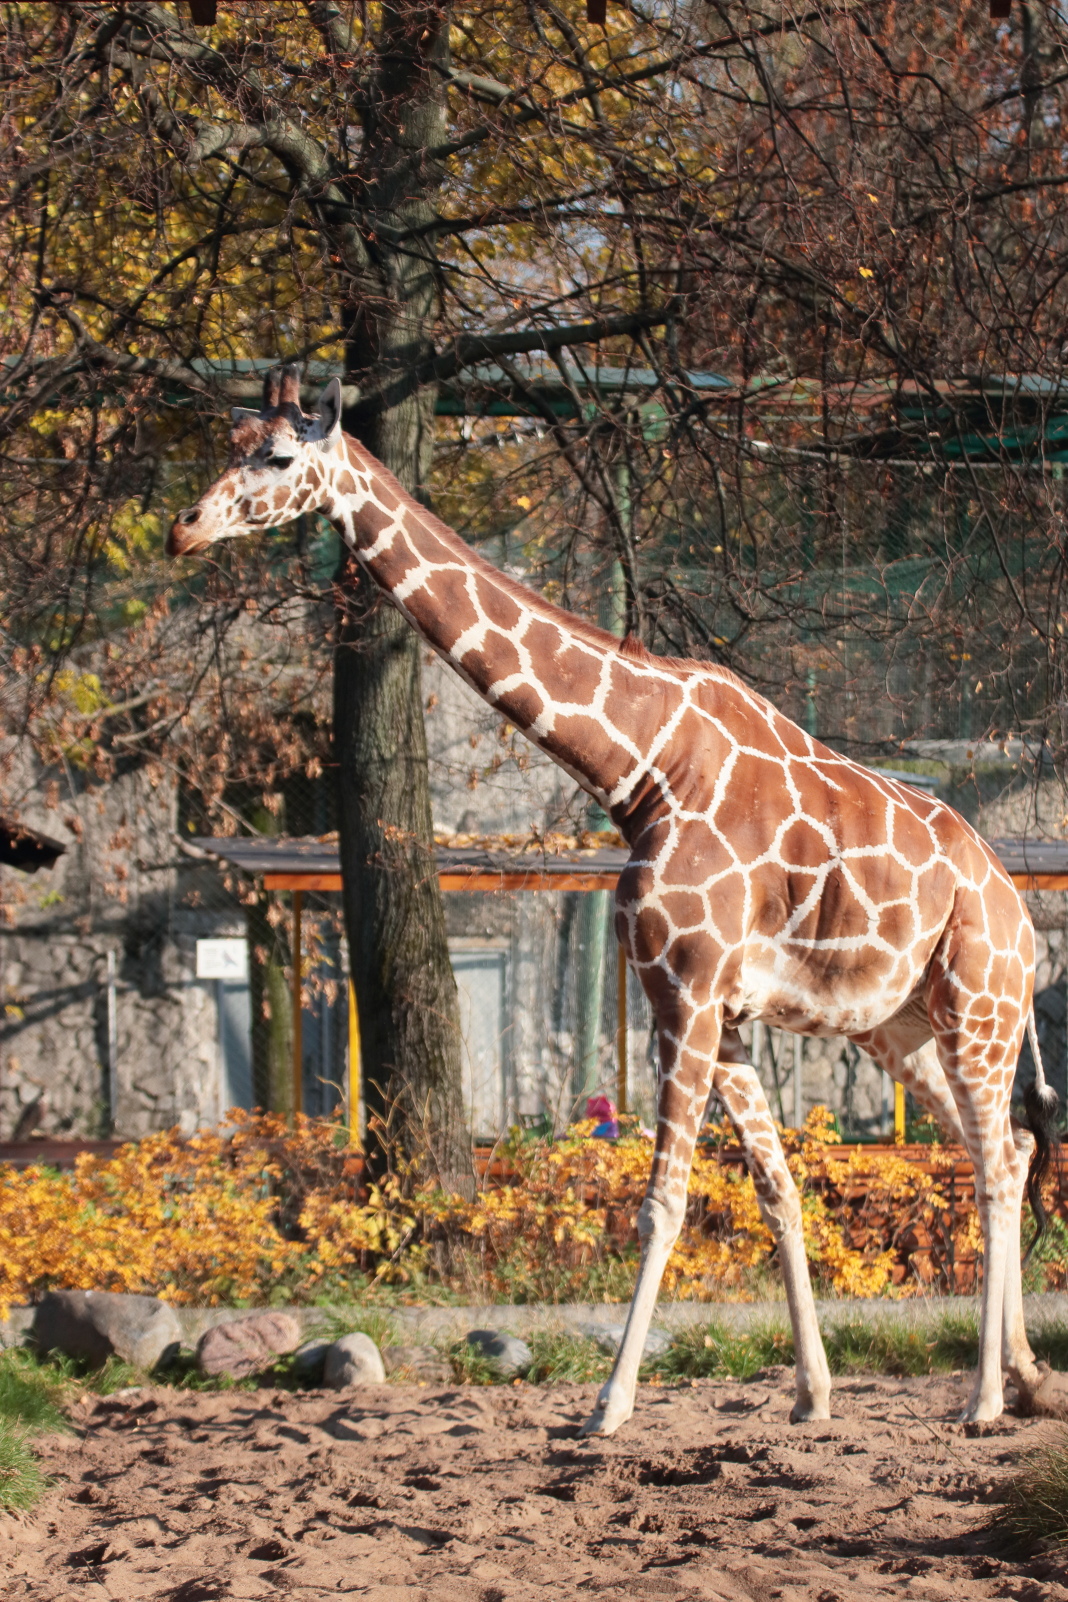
(31,1392)
(21,1479)
(1034,1512)
(567,1359)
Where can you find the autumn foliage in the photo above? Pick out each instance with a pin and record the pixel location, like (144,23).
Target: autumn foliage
(257,1213)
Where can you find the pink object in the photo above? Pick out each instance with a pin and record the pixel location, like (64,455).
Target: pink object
(601,1108)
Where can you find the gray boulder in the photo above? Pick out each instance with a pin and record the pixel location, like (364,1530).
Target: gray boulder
(96,1325)
(308,1359)
(508,1352)
(353,1360)
(247,1345)
(609,1338)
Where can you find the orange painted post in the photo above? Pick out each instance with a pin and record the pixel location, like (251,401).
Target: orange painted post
(354,1068)
(899,1114)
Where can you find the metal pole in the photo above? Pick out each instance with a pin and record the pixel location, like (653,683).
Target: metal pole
(298,1042)
(113,1042)
(621,1032)
(799,1098)
(354,1068)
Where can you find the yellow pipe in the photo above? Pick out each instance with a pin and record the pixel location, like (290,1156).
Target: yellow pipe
(621,1032)
(899,1114)
(354,1069)
(298,1040)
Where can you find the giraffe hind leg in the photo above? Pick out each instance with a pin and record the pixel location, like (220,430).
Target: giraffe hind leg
(913,1061)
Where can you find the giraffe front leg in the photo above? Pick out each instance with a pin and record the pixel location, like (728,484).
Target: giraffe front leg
(688,1044)
(742,1095)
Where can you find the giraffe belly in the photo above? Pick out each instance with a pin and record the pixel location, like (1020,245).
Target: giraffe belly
(821,1004)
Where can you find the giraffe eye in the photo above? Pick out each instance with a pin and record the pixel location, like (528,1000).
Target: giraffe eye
(279,461)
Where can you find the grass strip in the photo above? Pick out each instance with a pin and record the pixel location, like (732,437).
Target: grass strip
(1033,1516)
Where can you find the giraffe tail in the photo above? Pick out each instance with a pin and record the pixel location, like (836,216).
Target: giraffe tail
(1042,1106)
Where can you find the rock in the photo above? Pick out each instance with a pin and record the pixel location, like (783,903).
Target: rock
(511,1355)
(609,1338)
(96,1325)
(309,1359)
(353,1360)
(1049,1398)
(417,1363)
(247,1345)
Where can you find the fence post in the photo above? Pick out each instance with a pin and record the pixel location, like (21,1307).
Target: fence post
(298,1041)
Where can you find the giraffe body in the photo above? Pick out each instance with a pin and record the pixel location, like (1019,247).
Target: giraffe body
(769,878)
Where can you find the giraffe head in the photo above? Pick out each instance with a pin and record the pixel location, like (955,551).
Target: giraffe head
(278,467)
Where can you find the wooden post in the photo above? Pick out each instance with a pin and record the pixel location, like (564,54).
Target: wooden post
(298,1040)
(354,1068)
(899,1114)
(621,1032)
(799,1089)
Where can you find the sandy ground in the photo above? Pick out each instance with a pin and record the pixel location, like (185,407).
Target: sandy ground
(407,1492)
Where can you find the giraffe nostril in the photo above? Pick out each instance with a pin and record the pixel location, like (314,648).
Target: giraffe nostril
(189,514)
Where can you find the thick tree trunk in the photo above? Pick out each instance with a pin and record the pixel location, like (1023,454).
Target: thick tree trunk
(405,990)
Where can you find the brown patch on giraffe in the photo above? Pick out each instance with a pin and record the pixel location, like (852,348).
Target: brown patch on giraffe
(259,508)
(634,884)
(446,598)
(896,925)
(756,806)
(685,908)
(582,741)
(651,933)
(726,898)
(497,605)
(344,483)
(523,706)
(910,838)
(372,522)
(802,846)
(576,669)
(698,856)
(699,752)
(495,659)
(280,498)
(693,957)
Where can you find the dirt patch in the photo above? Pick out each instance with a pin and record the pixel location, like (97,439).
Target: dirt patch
(407,1493)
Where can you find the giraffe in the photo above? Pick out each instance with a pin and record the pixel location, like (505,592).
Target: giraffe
(769,878)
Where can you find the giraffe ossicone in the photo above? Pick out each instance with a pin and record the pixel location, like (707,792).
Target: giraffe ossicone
(769,878)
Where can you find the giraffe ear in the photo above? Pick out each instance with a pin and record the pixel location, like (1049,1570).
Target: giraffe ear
(327,425)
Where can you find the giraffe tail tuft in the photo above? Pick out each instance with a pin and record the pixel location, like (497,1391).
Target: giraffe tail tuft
(1042,1106)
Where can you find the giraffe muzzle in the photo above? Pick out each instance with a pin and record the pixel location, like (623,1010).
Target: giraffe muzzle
(185,537)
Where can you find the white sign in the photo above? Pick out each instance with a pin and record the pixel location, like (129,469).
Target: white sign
(222,959)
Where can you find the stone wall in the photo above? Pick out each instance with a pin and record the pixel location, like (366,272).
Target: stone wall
(116,894)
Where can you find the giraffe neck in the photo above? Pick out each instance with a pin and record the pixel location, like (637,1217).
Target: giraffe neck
(550,673)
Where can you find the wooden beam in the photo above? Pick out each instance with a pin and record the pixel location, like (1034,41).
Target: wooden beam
(476,880)
(533,880)
(1040,881)
(302,881)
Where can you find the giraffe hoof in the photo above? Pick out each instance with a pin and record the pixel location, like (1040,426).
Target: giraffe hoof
(980,1411)
(606,1419)
(806,1409)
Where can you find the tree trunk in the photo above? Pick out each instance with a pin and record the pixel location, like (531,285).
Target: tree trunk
(405,990)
